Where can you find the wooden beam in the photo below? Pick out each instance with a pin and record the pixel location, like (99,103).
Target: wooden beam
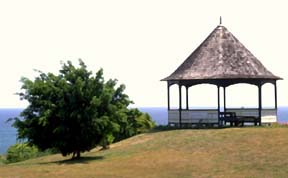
(275,95)
(168,95)
(260,103)
(218,94)
(187,98)
(180,106)
(224,91)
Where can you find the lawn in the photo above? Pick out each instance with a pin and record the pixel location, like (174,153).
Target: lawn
(231,152)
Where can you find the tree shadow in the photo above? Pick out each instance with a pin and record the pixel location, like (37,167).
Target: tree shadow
(81,160)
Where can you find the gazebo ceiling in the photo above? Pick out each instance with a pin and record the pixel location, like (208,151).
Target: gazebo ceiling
(221,57)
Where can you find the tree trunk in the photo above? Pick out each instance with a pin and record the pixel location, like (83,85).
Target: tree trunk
(105,147)
(76,155)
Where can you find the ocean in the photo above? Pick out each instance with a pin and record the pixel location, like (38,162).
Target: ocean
(8,134)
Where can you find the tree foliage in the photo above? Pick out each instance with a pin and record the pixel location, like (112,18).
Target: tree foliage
(75,111)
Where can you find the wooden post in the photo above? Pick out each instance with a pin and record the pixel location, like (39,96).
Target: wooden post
(168,95)
(275,94)
(187,98)
(224,91)
(180,106)
(218,93)
(260,103)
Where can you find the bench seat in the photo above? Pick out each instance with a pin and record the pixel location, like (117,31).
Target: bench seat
(236,120)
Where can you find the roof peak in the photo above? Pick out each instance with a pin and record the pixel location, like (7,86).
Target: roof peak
(220,21)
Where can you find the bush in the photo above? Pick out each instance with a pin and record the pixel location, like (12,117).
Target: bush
(144,123)
(21,152)
(2,160)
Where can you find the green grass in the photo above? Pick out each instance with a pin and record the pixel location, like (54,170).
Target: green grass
(231,152)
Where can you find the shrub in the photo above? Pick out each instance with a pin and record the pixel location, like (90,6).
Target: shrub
(144,123)
(2,160)
(21,152)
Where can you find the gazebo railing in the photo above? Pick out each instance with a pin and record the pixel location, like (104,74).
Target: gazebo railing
(194,116)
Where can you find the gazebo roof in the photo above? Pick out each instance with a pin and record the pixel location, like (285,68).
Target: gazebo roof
(221,56)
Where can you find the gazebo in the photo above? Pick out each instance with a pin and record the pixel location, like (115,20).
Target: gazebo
(221,60)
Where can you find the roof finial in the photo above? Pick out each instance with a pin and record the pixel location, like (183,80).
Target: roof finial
(220,20)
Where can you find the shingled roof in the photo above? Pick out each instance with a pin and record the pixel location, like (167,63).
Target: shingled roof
(221,56)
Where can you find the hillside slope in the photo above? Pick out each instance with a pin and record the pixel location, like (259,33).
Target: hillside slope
(233,152)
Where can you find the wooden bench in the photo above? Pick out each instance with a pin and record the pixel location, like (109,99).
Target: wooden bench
(250,119)
(225,117)
(234,120)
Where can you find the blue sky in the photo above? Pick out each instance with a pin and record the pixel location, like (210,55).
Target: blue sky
(138,42)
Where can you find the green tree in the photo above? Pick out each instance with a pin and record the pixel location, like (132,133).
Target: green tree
(74,111)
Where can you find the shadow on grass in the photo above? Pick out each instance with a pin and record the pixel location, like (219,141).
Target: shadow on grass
(81,160)
(167,128)
(196,127)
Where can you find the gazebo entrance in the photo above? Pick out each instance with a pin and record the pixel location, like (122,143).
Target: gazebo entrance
(221,60)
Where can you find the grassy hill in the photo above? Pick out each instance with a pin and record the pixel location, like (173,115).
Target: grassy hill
(232,152)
